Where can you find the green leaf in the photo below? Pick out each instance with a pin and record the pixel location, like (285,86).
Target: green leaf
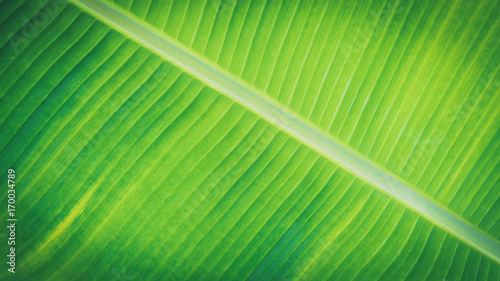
(207,140)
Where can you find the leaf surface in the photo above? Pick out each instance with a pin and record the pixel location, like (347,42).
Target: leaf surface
(158,140)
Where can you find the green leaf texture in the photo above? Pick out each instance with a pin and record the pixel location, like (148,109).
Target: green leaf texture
(259,140)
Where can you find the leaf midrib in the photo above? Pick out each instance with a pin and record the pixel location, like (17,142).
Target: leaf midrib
(293,124)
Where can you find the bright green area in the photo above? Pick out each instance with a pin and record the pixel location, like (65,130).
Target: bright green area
(412,85)
(130,169)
